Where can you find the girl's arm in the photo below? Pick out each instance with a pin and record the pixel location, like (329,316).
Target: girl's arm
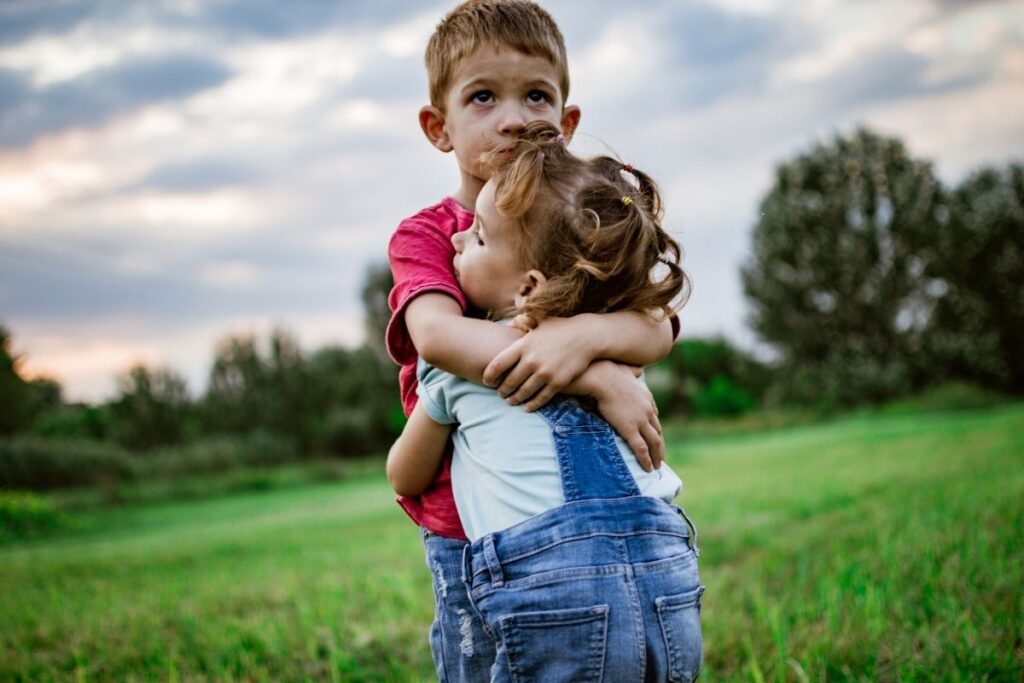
(416,455)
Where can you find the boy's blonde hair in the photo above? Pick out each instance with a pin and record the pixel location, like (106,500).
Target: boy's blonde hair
(591,226)
(518,24)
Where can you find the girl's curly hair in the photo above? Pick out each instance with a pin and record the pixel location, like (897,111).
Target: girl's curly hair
(592,226)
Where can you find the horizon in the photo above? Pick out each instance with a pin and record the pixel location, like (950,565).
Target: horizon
(174,174)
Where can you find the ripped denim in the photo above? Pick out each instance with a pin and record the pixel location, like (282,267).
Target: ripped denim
(463,651)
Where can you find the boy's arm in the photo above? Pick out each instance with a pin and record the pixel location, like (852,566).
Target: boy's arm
(416,456)
(448,340)
(464,346)
(543,362)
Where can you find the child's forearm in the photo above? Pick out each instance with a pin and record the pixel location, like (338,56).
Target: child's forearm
(452,342)
(629,337)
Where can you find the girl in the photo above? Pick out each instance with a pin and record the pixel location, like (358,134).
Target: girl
(579,564)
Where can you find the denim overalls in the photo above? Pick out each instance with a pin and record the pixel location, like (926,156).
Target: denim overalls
(603,588)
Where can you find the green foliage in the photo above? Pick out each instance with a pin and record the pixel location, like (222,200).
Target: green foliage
(947,397)
(151,409)
(14,391)
(721,397)
(835,280)
(708,377)
(377,285)
(75,421)
(976,268)
(221,453)
(33,463)
(24,514)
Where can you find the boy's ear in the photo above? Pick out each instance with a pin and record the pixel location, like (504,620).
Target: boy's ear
(532,282)
(570,119)
(433,125)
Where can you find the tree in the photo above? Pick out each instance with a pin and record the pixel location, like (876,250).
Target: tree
(835,280)
(151,409)
(377,286)
(14,391)
(976,266)
(250,390)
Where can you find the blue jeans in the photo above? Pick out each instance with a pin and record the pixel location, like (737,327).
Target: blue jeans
(603,588)
(463,651)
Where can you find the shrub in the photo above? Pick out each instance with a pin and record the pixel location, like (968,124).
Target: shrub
(218,454)
(720,397)
(25,514)
(31,463)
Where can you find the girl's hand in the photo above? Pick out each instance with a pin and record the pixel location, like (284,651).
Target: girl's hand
(628,406)
(540,364)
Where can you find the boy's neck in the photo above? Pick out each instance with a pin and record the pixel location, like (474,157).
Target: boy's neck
(468,191)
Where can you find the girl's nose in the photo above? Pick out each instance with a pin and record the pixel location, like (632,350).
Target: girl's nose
(457,241)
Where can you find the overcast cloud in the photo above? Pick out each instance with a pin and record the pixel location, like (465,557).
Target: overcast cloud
(174,172)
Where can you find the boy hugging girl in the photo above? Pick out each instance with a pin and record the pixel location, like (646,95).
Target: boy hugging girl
(555,550)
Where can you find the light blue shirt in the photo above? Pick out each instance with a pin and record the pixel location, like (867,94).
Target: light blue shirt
(505,469)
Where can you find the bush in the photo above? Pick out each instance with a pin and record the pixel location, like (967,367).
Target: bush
(25,514)
(31,463)
(949,396)
(218,454)
(721,398)
(72,422)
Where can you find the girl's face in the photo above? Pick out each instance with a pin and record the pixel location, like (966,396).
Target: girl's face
(486,261)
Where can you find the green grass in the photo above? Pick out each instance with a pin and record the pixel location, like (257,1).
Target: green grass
(877,547)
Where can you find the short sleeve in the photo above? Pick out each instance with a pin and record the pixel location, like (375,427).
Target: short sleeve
(420,254)
(432,389)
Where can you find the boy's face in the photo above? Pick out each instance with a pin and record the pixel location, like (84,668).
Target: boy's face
(495,92)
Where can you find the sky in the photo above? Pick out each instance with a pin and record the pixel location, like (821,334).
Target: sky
(173,172)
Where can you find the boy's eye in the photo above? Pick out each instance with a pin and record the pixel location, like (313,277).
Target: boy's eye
(482,97)
(476,234)
(537,97)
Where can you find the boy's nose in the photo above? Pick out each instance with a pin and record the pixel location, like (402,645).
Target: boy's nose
(513,120)
(457,241)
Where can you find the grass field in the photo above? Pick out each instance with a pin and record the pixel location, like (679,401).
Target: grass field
(870,548)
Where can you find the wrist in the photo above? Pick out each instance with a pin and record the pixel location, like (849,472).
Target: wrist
(590,335)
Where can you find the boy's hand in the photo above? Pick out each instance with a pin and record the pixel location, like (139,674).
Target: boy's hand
(628,407)
(540,364)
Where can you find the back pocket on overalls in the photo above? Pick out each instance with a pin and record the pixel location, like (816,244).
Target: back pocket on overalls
(680,625)
(560,645)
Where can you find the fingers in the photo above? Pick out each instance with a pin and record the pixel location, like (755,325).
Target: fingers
(501,364)
(542,398)
(640,450)
(514,380)
(533,384)
(655,444)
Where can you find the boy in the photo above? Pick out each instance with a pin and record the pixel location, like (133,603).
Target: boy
(494,66)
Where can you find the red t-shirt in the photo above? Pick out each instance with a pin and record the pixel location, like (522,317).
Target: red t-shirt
(421,255)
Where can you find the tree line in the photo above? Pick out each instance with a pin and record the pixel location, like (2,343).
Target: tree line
(867,277)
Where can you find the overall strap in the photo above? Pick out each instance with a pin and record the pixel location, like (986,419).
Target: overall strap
(589,460)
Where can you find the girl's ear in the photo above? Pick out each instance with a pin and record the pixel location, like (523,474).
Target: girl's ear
(532,282)
(432,123)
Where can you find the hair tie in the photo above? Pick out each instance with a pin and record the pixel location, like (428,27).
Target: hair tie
(628,201)
(627,167)
(560,137)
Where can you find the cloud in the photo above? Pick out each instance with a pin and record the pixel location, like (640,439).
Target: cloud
(177,171)
(103,94)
